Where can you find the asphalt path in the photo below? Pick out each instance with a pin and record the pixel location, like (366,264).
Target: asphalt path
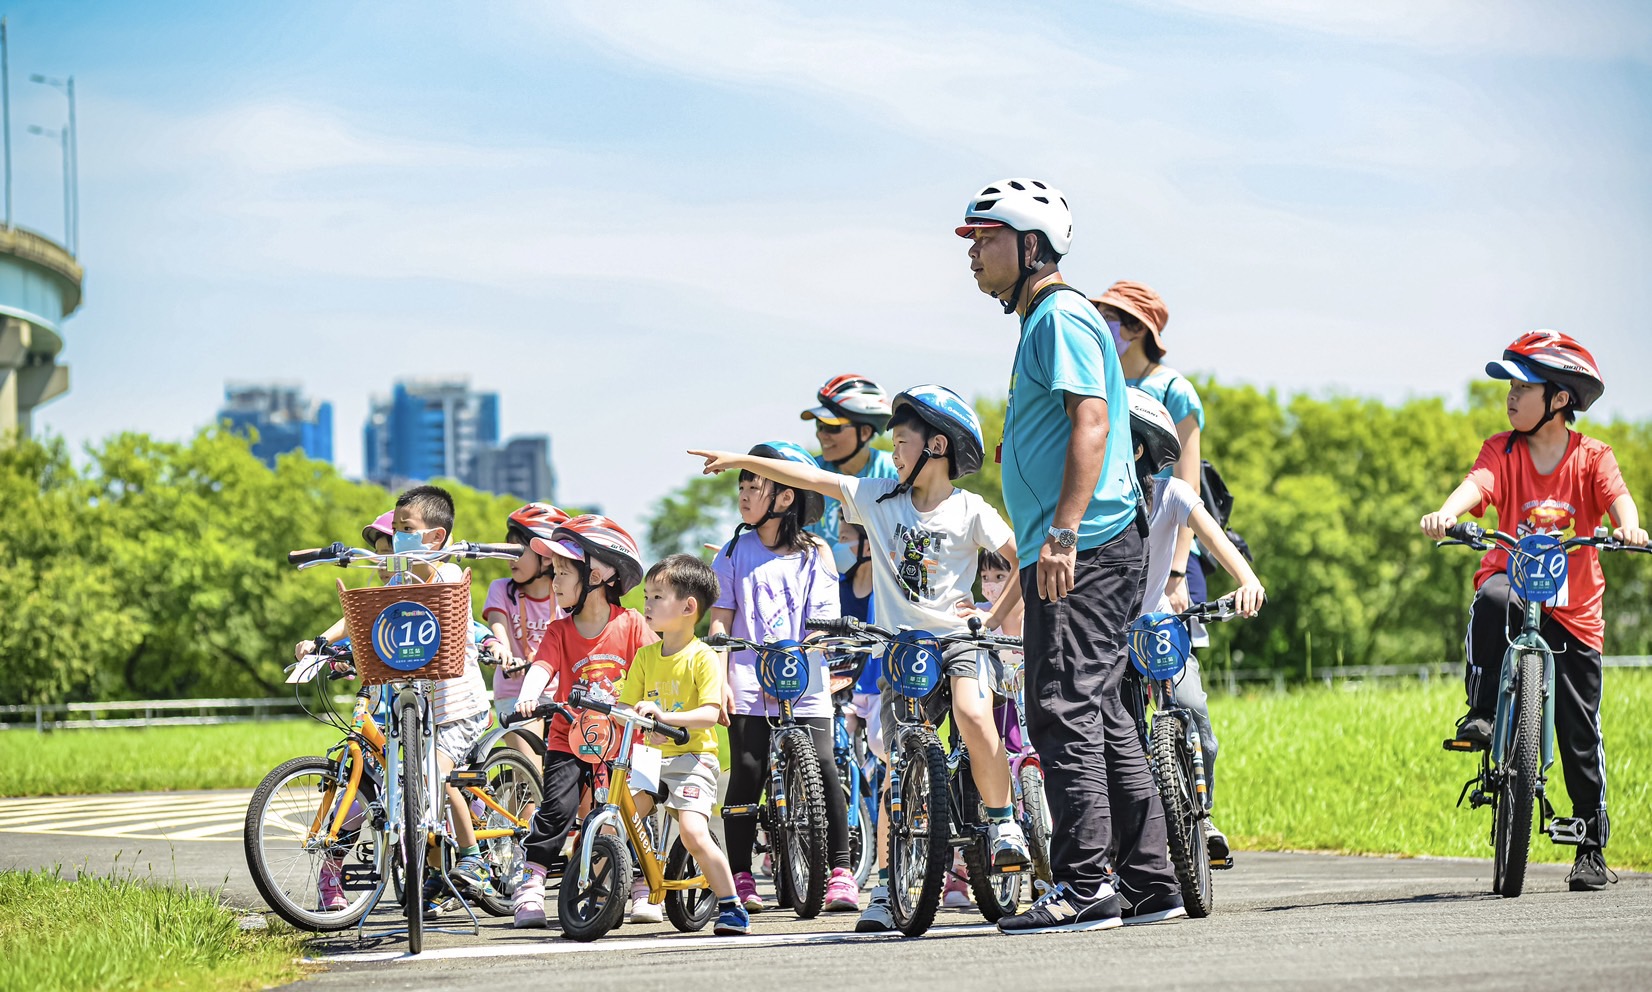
(1283,921)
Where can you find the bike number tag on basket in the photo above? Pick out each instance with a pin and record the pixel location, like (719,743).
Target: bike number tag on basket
(1159,645)
(1538,571)
(406,636)
(914,664)
(783,671)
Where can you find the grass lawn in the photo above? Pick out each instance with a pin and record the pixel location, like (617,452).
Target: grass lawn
(118,934)
(1361,770)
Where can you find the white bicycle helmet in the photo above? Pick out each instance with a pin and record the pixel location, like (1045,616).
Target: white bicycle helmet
(1152,428)
(1024,205)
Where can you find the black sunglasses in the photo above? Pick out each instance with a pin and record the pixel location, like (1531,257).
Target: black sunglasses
(822,427)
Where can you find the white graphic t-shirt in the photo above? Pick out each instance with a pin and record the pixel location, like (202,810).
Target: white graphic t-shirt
(924,563)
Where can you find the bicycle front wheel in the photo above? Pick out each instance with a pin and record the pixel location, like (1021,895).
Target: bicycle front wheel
(1512,834)
(920,845)
(803,825)
(298,874)
(1173,769)
(413,832)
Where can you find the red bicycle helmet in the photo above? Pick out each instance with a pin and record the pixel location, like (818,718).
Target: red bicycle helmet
(594,536)
(852,398)
(534,520)
(1552,357)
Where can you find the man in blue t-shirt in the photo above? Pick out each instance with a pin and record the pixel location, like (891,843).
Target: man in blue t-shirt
(1070,486)
(852,410)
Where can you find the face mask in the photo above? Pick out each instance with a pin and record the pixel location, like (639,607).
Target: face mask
(991,590)
(405,542)
(844,556)
(1119,342)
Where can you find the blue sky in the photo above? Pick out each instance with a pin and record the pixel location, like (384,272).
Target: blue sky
(657,225)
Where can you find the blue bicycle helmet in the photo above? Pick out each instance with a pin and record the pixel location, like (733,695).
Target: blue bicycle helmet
(814,504)
(949,413)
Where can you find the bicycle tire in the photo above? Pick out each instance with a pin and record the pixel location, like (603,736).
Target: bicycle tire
(1188,853)
(689,910)
(921,851)
(808,861)
(275,881)
(413,833)
(1512,834)
(996,895)
(513,785)
(600,907)
(1035,821)
(863,847)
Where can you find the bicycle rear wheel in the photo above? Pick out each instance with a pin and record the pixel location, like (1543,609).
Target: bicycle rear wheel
(688,910)
(289,816)
(1512,834)
(1035,820)
(513,785)
(920,847)
(807,861)
(996,894)
(1172,767)
(413,832)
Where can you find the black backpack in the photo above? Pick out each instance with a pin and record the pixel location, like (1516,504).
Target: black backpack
(1217,499)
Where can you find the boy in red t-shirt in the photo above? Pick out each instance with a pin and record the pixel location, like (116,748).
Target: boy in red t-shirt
(595,562)
(1544,478)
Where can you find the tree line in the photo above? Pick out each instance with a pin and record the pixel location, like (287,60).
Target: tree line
(155,569)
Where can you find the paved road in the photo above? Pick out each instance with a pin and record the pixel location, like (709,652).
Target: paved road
(1284,921)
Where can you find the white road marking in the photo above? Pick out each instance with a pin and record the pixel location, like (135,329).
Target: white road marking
(207,817)
(555,945)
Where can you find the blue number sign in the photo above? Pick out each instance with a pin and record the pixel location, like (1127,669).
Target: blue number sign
(406,636)
(914,664)
(1159,645)
(783,670)
(1537,571)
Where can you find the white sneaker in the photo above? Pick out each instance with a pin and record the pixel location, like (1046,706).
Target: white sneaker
(876,918)
(1009,845)
(643,911)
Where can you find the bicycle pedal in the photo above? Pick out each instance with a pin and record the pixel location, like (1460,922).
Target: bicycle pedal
(358,878)
(468,778)
(1453,744)
(1567,830)
(1219,864)
(750,809)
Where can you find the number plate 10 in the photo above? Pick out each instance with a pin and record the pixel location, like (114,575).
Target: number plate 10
(1538,570)
(406,636)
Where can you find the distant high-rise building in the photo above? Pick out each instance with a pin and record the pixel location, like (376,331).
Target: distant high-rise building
(285,419)
(521,467)
(430,428)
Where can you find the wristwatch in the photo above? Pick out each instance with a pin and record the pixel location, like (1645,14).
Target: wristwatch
(1065,537)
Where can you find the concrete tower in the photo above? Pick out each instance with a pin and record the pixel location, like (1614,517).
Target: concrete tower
(39,286)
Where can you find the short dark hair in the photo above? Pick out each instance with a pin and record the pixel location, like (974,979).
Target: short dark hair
(433,504)
(687,576)
(906,416)
(1149,344)
(990,559)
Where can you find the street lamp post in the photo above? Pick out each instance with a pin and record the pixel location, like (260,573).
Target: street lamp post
(61,135)
(71,159)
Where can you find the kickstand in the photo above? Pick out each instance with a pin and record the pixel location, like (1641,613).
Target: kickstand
(1466,786)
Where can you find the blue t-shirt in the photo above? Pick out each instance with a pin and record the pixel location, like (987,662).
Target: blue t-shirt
(1178,396)
(879,466)
(1065,348)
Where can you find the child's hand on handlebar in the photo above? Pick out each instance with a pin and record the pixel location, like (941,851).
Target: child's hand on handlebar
(303,648)
(965,609)
(1435,525)
(1248,599)
(1633,536)
(652,712)
(526,706)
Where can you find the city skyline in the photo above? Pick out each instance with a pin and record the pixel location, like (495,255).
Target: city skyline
(616,211)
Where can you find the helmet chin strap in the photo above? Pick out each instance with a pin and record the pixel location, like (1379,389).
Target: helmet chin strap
(905,485)
(1012,298)
(859,447)
(742,526)
(1550,391)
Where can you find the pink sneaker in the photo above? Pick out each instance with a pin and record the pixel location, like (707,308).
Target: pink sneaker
(745,887)
(842,894)
(956,893)
(330,887)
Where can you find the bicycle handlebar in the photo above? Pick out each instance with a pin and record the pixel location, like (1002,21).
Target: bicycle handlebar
(1471,534)
(1213,612)
(341,554)
(544,711)
(585,701)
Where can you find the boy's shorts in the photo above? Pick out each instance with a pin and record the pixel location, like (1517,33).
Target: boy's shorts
(958,661)
(689,781)
(456,737)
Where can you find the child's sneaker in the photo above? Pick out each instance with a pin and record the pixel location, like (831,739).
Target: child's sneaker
(1009,845)
(877,917)
(842,894)
(471,877)
(643,911)
(732,922)
(330,887)
(745,887)
(433,895)
(956,893)
(528,901)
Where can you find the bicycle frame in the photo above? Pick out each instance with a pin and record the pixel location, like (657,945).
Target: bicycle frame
(615,808)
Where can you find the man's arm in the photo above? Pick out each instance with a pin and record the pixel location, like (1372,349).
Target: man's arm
(1086,449)
(787,473)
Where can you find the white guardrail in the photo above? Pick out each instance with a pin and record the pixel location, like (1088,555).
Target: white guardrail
(197,712)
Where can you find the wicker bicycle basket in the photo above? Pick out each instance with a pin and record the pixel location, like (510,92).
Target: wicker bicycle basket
(449,601)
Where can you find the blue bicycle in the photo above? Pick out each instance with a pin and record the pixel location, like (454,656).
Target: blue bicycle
(1514,769)
(856,768)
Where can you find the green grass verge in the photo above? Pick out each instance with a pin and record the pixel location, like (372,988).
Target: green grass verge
(118,934)
(1361,770)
